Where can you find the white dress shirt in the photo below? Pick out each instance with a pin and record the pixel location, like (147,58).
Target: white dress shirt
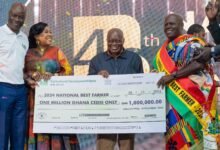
(13,48)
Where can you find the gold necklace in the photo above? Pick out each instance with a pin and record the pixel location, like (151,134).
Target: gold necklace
(41,50)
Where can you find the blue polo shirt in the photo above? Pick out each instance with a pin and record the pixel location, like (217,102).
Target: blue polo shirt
(127,63)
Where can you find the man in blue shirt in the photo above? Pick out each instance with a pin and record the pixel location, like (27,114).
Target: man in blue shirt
(116,60)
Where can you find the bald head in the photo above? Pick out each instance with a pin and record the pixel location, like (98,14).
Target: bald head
(173,26)
(16,16)
(117,30)
(17,5)
(179,19)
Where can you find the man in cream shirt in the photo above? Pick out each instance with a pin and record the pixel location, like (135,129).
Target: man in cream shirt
(13,93)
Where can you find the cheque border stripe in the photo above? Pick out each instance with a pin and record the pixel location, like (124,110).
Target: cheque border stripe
(101,122)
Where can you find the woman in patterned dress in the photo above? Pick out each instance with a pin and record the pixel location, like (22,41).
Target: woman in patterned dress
(44,60)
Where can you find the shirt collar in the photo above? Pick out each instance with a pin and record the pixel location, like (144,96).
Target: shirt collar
(122,56)
(9,31)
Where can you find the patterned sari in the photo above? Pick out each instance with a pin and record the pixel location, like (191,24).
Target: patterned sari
(54,61)
(188,97)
